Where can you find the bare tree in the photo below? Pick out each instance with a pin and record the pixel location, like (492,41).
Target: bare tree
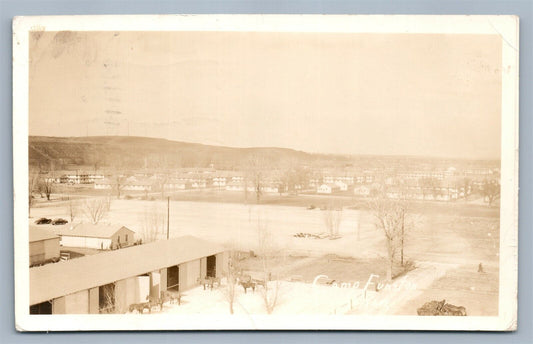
(153,221)
(256,174)
(390,219)
(118,184)
(491,191)
(333,219)
(33,181)
(429,186)
(466,185)
(96,209)
(73,209)
(46,185)
(162,182)
(270,292)
(258,186)
(232,273)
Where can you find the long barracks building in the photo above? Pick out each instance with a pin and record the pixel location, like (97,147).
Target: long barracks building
(111,281)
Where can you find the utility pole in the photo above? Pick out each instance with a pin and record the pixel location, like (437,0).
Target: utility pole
(168,216)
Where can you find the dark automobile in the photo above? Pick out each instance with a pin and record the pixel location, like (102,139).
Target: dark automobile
(43,221)
(59,222)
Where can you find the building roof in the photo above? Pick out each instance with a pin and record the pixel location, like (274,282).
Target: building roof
(100,230)
(331,185)
(38,234)
(66,277)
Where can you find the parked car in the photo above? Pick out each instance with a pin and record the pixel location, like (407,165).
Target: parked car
(59,222)
(43,221)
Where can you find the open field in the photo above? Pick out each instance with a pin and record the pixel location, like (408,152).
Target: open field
(446,246)
(436,237)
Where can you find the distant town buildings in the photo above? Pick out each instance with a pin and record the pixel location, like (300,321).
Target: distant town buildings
(417,180)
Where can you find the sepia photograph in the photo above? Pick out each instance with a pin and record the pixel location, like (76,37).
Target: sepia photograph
(265,172)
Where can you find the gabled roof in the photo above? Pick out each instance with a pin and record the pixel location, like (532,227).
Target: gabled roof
(100,230)
(55,280)
(38,234)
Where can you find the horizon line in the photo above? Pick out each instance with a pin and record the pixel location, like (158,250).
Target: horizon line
(287,148)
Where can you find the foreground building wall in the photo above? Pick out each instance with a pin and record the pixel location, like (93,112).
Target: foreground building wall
(44,250)
(77,303)
(96,243)
(131,290)
(94,307)
(221,264)
(192,275)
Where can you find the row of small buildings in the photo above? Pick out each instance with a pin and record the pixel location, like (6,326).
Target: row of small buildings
(111,281)
(74,177)
(411,189)
(157,184)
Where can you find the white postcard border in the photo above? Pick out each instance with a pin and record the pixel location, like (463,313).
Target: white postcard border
(505,26)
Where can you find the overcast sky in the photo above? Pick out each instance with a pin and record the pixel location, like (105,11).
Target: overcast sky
(393,94)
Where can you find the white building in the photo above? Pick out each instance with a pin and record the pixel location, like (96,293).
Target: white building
(219,181)
(361,190)
(235,186)
(103,184)
(327,188)
(97,236)
(342,185)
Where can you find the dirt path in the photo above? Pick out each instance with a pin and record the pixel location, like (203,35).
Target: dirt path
(391,300)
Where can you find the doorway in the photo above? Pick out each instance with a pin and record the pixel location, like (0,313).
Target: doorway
(41,308)
(211,268)
(173,278)
(106,298)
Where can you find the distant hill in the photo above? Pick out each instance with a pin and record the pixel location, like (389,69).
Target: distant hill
(128,152)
